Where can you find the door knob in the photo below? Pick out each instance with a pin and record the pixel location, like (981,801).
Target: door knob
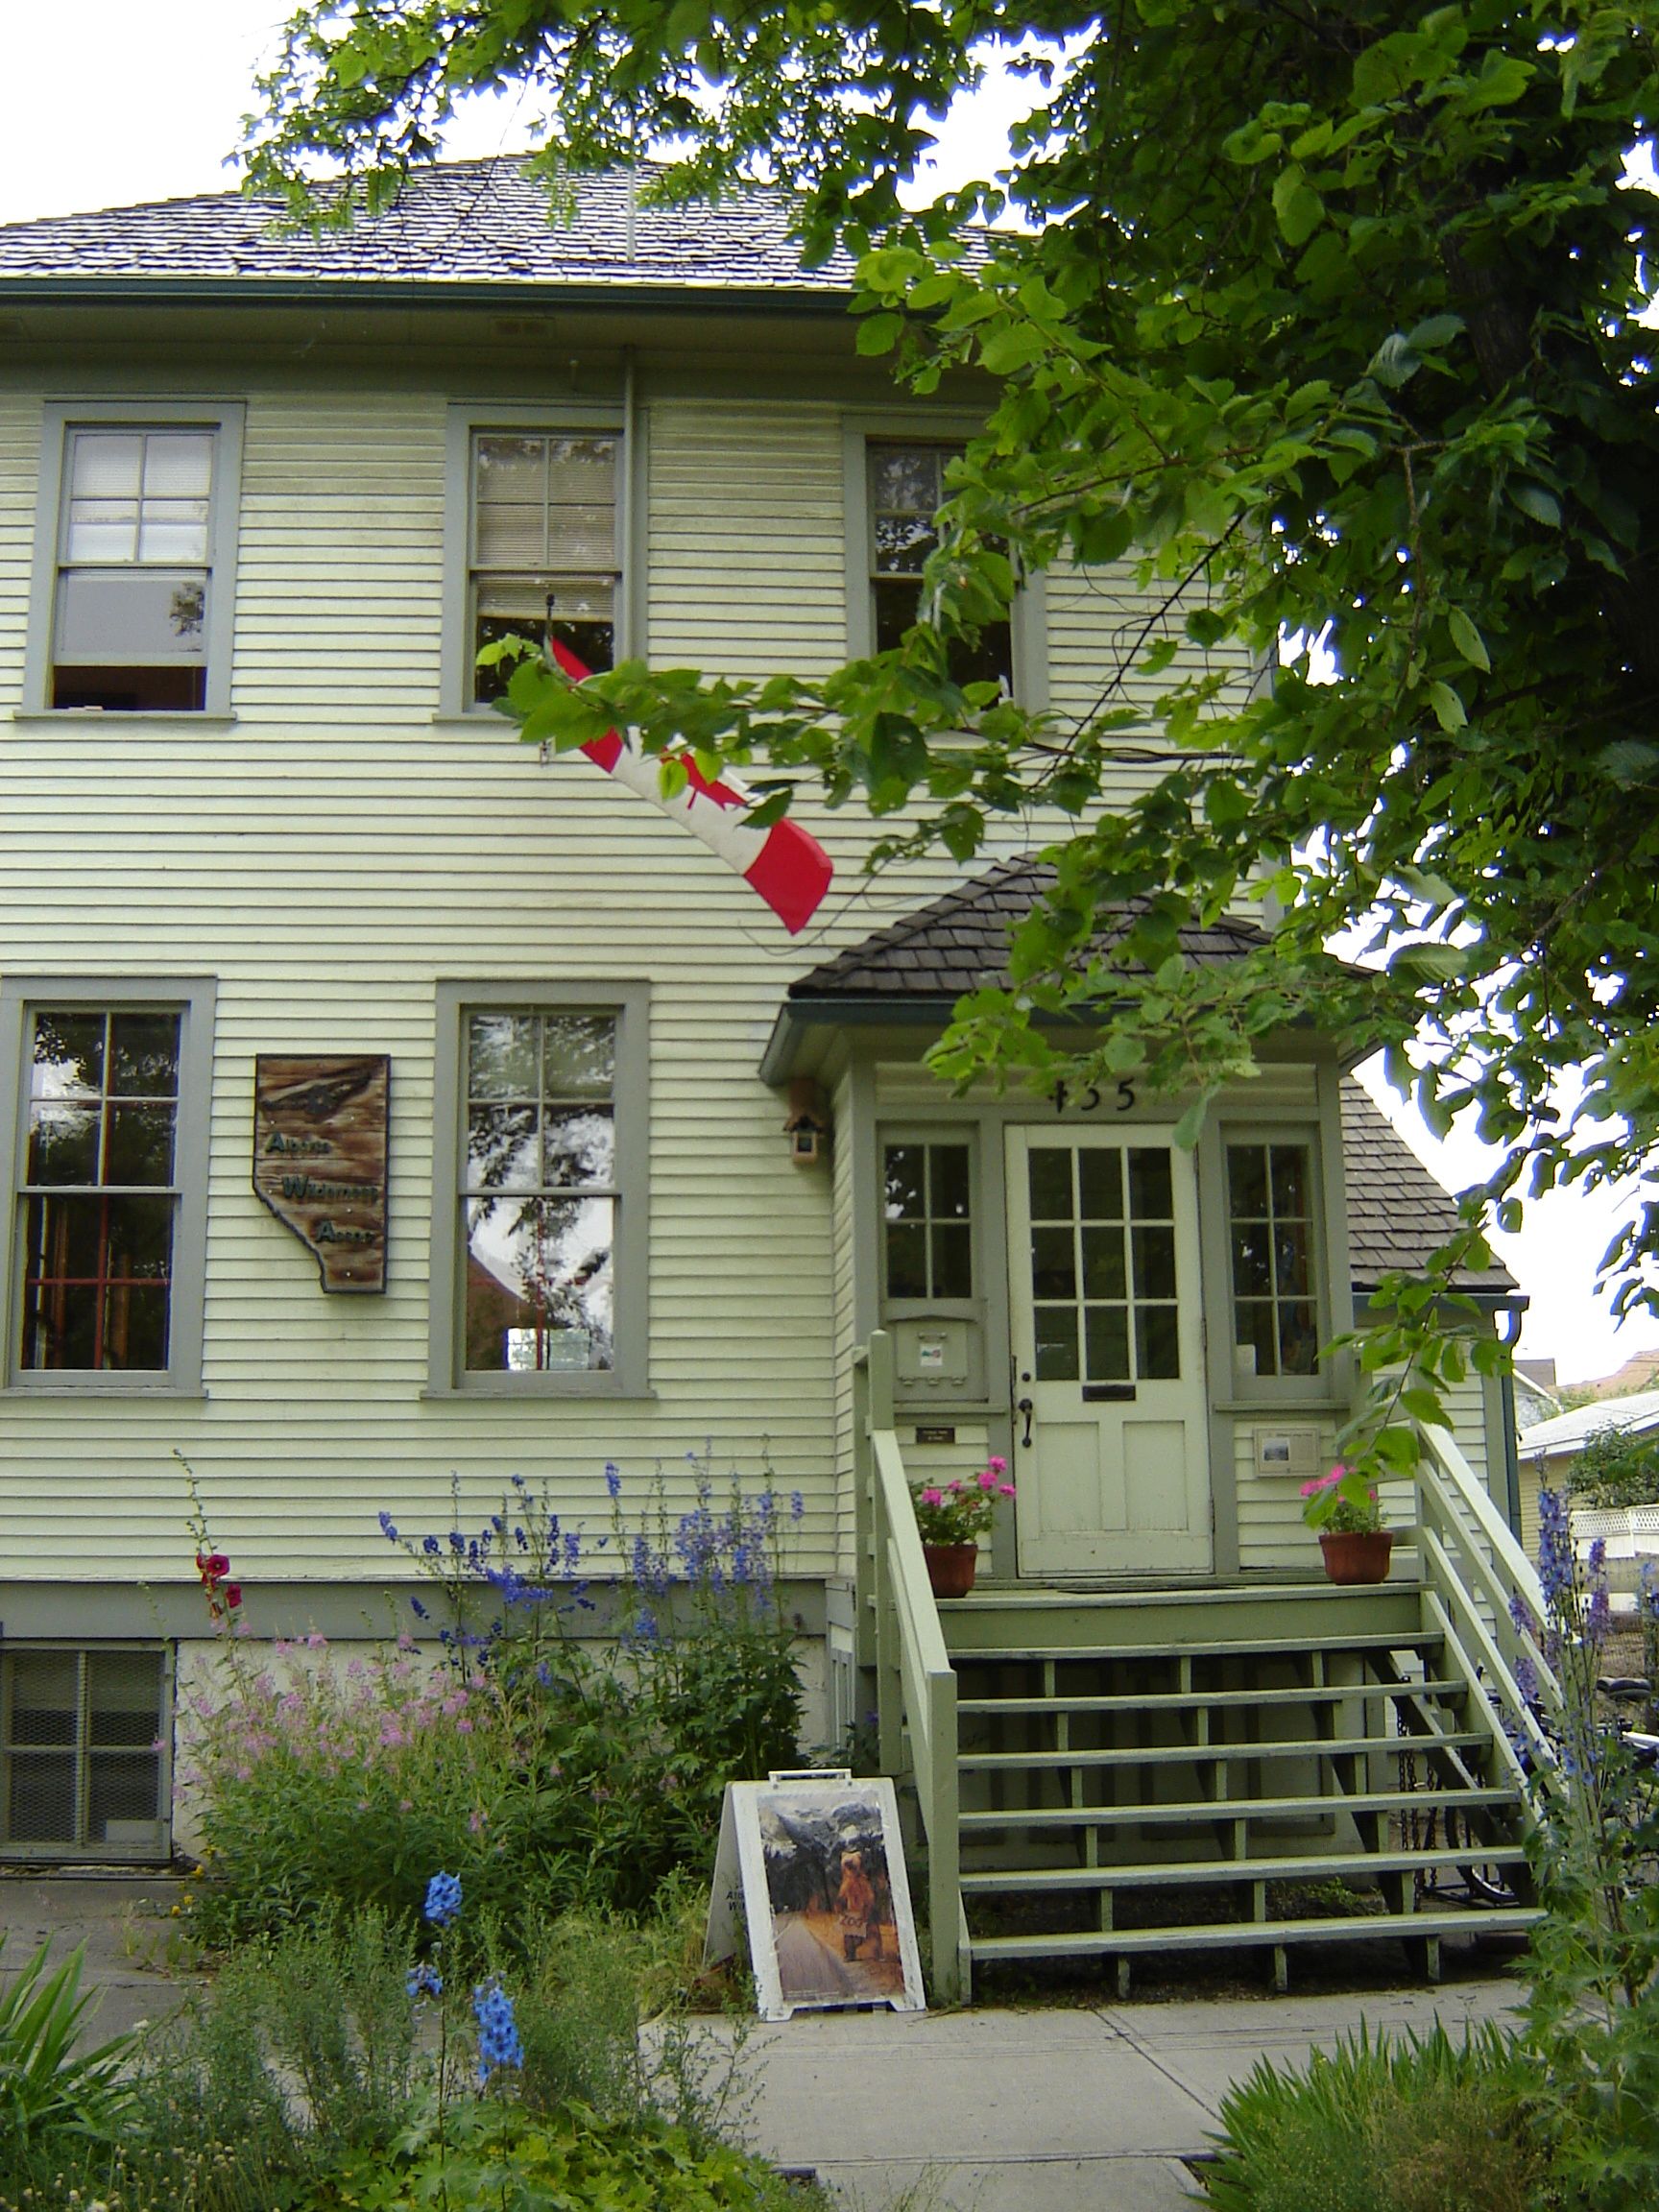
(1026,1408)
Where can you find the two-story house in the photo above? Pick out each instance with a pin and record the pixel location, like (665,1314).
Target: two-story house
(382,1101)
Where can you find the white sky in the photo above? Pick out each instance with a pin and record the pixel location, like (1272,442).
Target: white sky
(119,103)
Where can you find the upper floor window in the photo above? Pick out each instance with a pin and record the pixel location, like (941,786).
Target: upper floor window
(1270,1210)
(135,557)
(542,557)
(109,1206)
(907,489)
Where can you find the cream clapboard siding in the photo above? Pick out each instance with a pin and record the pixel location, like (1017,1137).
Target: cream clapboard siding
(325,859)
(1271,1531)
(330,856)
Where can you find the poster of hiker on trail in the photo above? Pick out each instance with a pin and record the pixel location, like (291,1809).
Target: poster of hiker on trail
(824,1878)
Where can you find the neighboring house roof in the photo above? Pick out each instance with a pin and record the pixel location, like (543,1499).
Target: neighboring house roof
(1639,1372)
(961,940)
(1566,1435)
(457,224)
(1397,1212)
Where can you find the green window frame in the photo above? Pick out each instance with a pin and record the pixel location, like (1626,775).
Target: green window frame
(135,578)
(880,556)
(540,520)
(541,1195)
(930,1228)
(1275,1281)
(107,1220)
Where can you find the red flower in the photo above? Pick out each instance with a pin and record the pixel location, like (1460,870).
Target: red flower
(232,1595)
(212,1566)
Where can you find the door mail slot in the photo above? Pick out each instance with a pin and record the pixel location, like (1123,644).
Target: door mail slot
(1106,1393)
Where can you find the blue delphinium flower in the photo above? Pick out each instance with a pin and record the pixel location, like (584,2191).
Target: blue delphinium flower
(430,1545)
(443,1899)
(1555,1562)
(417,1609)
(424,1980)
(386,1529)
(797,1506)
(613,1478)
(498,2043)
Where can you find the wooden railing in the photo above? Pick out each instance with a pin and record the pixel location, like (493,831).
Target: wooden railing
(1472,1569)
(915,1684)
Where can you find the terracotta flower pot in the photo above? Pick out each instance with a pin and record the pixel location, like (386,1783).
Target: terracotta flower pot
(950,1568)
(1357,1554)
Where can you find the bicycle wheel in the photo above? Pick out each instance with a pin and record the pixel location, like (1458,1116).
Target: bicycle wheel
(1486,1882)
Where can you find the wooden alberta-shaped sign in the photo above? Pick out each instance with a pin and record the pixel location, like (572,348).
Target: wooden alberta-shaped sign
(320,1134)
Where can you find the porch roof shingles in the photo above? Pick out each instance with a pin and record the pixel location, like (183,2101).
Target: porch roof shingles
(961,940)
(456,224)
(1397,1212)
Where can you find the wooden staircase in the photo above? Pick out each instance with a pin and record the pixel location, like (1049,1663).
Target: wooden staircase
(1145,1773)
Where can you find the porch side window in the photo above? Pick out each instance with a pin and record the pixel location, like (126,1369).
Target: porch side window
(1270,1227)
(906,489)
(99,1203)
(928,1221)
(542,558)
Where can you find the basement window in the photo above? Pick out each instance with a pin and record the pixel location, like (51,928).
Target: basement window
(83,1754)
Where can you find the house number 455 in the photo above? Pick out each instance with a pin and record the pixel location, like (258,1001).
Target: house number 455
(1092,1099)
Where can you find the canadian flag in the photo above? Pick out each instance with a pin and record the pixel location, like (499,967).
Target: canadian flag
(784,863)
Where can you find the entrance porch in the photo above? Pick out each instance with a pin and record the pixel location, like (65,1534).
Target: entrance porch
(1232,1749)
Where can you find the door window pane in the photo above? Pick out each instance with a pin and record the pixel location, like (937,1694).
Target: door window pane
(1116,1270)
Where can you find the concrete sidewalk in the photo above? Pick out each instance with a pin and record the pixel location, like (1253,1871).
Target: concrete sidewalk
(1044,2111)
(1061,2109)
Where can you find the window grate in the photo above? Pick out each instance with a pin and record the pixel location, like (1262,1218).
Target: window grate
(82,1751)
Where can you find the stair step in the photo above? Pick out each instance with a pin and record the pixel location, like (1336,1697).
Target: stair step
(1218,1754)
(1367,1927)
(1330,1865)
(1445,1688)
(1421,1639)
(1214,1809)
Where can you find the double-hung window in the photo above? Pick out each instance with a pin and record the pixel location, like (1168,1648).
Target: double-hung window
(543,546)
(905,487)
(137,553)
(542,1223)
(109,1191)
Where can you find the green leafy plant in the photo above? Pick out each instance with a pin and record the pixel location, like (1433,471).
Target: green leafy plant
(1422,2124)
(1616,1468)
(49,2085)
(545,1766)
(1342,1502)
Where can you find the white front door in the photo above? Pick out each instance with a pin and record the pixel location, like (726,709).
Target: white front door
(1108,1354)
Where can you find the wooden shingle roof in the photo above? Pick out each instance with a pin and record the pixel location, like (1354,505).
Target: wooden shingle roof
(961,940)
(455,223)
